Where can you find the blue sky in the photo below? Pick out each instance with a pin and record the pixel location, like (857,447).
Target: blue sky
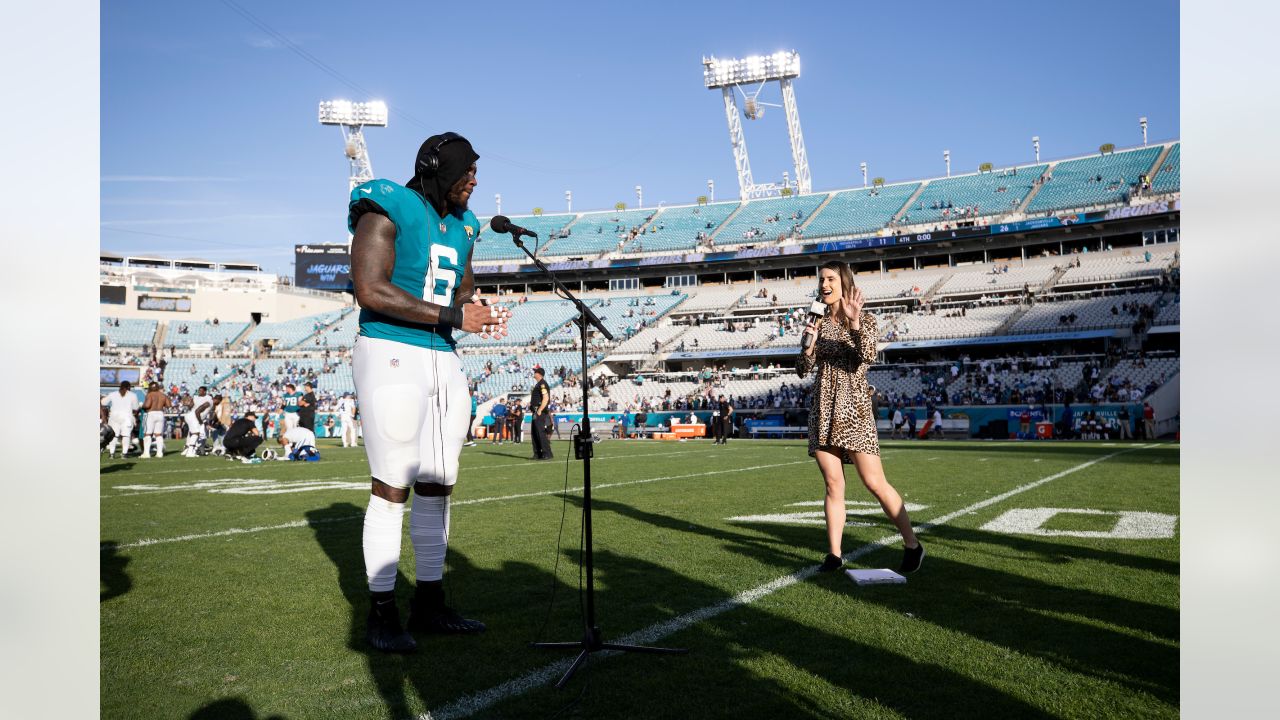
(211,148)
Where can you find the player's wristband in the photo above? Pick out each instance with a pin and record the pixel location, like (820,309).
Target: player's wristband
(451,316)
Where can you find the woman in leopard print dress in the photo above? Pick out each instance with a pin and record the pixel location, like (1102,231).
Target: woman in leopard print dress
(842,426)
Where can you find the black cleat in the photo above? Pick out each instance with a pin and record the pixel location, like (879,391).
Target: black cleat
(442,620)
(911,558)
(384,632)
(831,563)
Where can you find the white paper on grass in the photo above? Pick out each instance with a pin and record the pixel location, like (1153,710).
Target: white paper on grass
(881,576)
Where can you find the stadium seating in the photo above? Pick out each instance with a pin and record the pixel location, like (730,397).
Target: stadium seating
(291,333)
(642,342)
(1170,314)
(201,333)
(677,228)
(1124,264)
(194,372)
(990,193)
(712,298)
(1091,314)
(1075,184)
(901,283)
(980,278)
(530,322)
(975,322)
(1153,370)
(756,223)
(1169,177)
(716,336)
(129,333)
(595,233)
(495,246)
(614,315)
(859,211)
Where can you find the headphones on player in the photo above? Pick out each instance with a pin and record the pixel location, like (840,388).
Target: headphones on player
(429,164)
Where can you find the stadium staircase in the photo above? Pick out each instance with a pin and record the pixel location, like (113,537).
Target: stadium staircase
(816,211)
(911,201)
(934,288)
(1010,321)
(1051,282)
(726,222)
(1164,155)
(1026,201)
(162,329)
(303,343)
(237,340)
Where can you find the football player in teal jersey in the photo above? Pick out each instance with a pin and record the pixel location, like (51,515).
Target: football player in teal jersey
(411,268)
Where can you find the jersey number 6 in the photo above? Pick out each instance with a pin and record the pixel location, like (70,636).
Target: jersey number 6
(441,276)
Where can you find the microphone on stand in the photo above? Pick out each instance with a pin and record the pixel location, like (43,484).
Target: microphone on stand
(816,310)
(501,224)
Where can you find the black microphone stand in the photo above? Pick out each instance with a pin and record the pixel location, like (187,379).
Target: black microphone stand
(582,449)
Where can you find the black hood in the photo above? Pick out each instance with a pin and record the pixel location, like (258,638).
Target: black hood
(456,157)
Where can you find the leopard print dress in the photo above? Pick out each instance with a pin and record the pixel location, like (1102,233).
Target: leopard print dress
(840,410)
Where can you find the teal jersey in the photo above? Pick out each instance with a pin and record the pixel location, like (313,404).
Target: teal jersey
(291,401)
(431,258)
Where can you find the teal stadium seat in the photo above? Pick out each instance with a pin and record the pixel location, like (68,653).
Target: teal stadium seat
(130,333)
(758,215)
(495,246)
(291,333)
(1074,181)
(992,193)
(677,228)
(859,211)
(201,333)
(595,233)
(1169,177)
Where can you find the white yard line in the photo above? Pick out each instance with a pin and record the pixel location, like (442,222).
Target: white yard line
(473,501)
(202,484)
(478,702)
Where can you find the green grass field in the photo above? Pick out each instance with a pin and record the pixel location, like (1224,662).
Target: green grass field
(238,591)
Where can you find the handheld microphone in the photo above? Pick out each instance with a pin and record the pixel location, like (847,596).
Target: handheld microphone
(500,224)
(816,310)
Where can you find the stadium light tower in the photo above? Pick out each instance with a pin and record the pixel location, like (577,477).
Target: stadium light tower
(497,200)
(711,190)
(568,201)
(352,117)
(639,198)
(727,75)
(864,173)
(946,157)
(1142,121)
(1035,143)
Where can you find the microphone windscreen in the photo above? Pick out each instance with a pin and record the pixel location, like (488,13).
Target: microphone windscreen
(499,223)
(817,308)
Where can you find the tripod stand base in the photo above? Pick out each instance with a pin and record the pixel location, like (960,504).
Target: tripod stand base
(591,643)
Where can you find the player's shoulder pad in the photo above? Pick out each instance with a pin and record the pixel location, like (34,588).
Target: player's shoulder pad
(377,190)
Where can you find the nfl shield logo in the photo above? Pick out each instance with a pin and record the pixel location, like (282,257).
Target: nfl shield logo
(395,362)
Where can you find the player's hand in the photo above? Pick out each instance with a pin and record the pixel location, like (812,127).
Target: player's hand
(489,321)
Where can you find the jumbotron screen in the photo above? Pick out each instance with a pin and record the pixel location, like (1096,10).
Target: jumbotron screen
(322,267)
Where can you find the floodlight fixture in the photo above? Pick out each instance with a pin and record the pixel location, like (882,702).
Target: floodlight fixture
(711,190)
(1142,121)
(497,200)
(351,117)
(568,200)
(345,112)
(639,198)
(726,72)
(726,75)
(864,173)
(1035,143)
(946,157)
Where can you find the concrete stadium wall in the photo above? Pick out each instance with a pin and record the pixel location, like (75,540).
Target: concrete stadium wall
(228,304)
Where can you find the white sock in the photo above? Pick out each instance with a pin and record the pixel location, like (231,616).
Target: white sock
(111,447)
(160,446)
(429,531)
(382,522)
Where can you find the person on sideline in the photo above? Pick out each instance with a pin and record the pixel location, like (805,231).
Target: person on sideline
(842,428)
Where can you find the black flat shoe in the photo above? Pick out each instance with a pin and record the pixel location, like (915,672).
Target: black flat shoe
(911,558)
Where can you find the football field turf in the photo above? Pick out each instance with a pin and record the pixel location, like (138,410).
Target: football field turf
(232,590)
